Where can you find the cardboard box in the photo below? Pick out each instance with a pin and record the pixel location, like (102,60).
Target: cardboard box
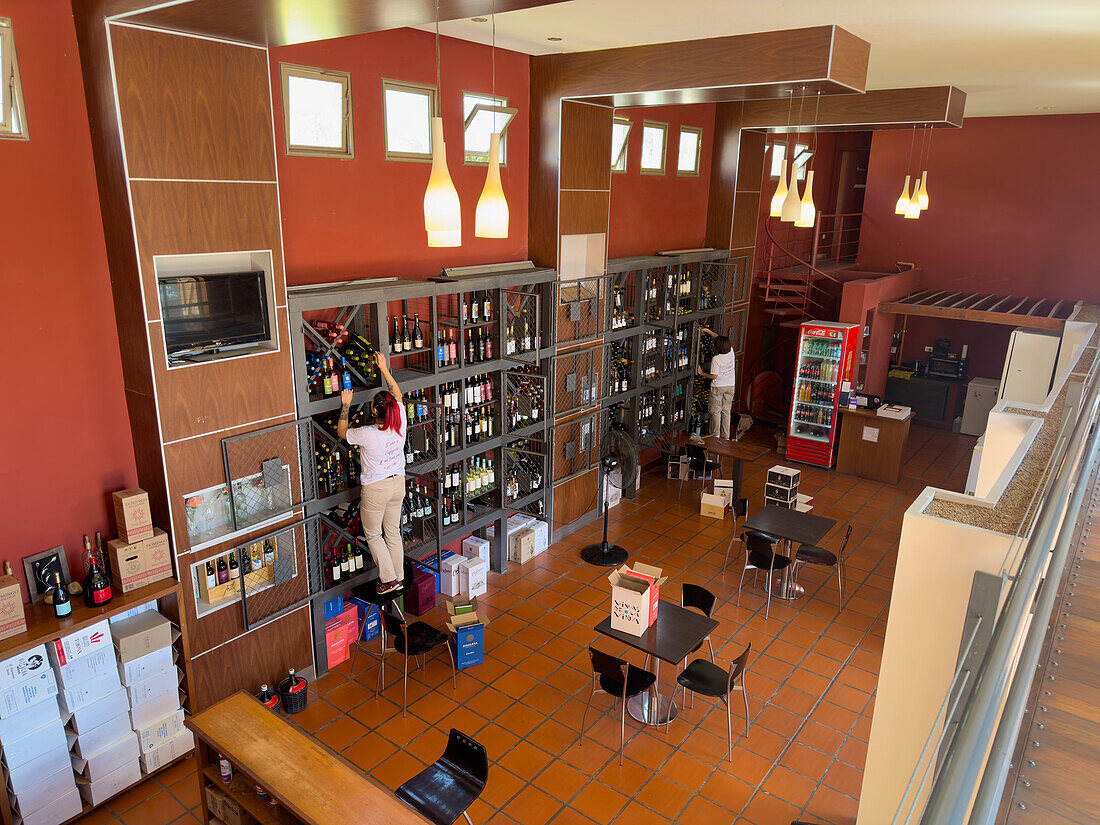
(336,642)
(215,801)
(31,773)
(33,799)
(27,693)
(13,620)
(63,808)
(635,597)
(232,812)
(147,666)
(473,577)
(678,467)
(172,749)
(652,575)
(474,547)
(542,535)
(132,515)
(107,759)
(219,592)
(333,608)
(895,411)
(369,620)
(86,668)
(133,611)
(784,476)
(420,597)
(82,694)
(161,730)
(36,743)
(98,713)
(521,546)
(778,491)
(107,786)
(84,642)
(433,573)
(714,506)
(142,634)
(137,564)
(776,502)
(23,666)
(94,740)
(155,708)
(468,644)
(19,725)
(449,575)
(165,681)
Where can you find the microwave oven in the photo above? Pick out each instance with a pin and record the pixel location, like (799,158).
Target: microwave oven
(947,367)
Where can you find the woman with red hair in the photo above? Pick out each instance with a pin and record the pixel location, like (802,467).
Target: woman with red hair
(382,478)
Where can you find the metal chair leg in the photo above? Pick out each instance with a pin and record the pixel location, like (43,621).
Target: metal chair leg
(745,696)
(454,668)
(711,644)
(729,726)
(839,586)
(468,818)
(740,583)
(584,718)
(405,689)
(622,725)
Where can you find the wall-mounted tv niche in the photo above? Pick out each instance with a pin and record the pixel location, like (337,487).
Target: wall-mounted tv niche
(217,305)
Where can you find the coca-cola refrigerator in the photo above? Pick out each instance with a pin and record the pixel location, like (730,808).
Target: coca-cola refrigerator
(826,358)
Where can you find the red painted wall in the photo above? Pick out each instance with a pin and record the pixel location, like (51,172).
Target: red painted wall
(66,435)
(1013,207)
(650,213)
(364,217)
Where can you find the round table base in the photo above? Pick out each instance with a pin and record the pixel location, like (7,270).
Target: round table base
(790,593)
(642,708)
(604,555)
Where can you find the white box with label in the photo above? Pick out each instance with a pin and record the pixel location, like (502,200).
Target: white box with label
(474,547)
(155,708)
(473,577)
(72,699)
(109,759)
(160,731)
(26,694)
(144,667)
(22,666)
(95,714)
(96,739)
(34,744)
(85,641)
(173,748)
(117,780)
(62,804)
(30,774)
(85,668)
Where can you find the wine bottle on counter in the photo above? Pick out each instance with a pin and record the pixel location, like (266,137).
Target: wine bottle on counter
(97,590)
(62,607)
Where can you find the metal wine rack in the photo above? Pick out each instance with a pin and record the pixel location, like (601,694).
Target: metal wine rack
(576,446)
(577,380)
(579,308)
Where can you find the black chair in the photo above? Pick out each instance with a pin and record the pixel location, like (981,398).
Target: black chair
(812,554)
(445,789)
(414,639)
(760,555)
(619,679)
(740,510)
(699,467)
(701,599)
(708,679)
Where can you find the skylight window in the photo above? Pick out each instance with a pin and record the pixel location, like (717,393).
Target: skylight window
(620,134)
(408,109)
(654,140)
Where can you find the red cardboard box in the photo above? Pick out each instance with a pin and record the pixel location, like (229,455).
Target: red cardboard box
(420,597)
(653,576)
(336,642)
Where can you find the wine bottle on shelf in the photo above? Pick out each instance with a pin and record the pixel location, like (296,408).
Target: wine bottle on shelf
(452,348)
(471,348)
(62,607)
(398,342)
(334,377)
(487,308)
(474,307)
(223,570)
(488,339)
(418,335)
(234,568)
(345,374)
(97,590)
(440,348)
(335,568)
(357,556)
(211,578)
(406,339)
(345,562)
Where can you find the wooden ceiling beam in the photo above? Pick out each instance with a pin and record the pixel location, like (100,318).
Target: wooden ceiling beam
(925,299)
(878,109)
(1035,306)
(965,300)
(984,298)
(1000,303)
(982,316)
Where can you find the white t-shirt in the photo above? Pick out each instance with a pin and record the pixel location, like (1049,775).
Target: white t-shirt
(381,452)
(723,368)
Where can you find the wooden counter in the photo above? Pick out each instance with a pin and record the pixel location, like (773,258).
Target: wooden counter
(872,446)
(311,783)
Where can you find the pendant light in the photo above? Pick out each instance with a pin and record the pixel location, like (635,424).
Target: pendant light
(781,188)
(491,216)
(922,191)
(442,211)
(903,201)
(792,203)
(808,213)
(912,211)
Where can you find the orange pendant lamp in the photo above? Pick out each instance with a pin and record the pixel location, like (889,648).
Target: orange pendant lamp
(491,217)
(442,211)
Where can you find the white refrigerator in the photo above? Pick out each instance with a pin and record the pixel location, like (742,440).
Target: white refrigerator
(981,397)
(1029,365)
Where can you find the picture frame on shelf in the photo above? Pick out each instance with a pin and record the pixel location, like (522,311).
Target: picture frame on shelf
(40,568)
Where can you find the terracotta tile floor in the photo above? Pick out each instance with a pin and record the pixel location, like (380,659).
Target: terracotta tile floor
(811,677)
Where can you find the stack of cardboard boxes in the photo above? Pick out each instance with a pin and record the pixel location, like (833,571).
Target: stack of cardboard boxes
(35,752)
(150,679)
(141,554)
(463,576)
(341,624)
(527,537)
(781,490)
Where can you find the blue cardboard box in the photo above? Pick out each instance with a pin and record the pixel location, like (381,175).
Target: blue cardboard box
(334,607)
(369,619)
(468,645)
(435,573)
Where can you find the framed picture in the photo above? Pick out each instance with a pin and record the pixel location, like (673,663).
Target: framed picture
(40,568)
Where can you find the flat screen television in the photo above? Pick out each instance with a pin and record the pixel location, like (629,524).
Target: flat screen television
(201,313)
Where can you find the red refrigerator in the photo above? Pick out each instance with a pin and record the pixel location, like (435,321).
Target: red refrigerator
(826,357)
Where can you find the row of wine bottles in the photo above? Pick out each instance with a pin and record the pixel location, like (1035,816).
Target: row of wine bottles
(476,425)
(480,478)
(523,406)
(406,338)
(327,372)
(621,373)
(622,316)
(341,563)
(224,568)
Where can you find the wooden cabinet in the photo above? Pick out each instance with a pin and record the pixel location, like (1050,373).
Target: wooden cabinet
(872,446)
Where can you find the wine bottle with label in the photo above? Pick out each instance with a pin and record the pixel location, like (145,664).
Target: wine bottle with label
(97,590)
(406,339)
(418,335)
(398,339)
(269,552)
(223,570)
(234,568)
(62,607)
(211,578)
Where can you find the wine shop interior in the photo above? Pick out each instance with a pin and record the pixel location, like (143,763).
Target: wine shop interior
(549,411)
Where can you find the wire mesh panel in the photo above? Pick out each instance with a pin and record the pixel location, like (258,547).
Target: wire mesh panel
(740,280)
(480,485)
(278,571)
(688,287)
(524,398)
(524,469)
(682,343)
(419,519)
(662,293)
(656,356)
(339,351)
(576,380)
(625,289)
(414,344)
(736,329)
(424,442)
(264,474)
(522,335)
(619,367)
(579,310)
(648,412)
(715,279)
(576,446)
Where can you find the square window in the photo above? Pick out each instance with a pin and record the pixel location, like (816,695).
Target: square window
(654,138)
(408,109)
(483,115)
(316,112)
(779,155)
(691,149)
(620,132)
(13,120)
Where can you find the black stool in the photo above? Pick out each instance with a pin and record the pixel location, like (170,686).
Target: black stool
(368,593)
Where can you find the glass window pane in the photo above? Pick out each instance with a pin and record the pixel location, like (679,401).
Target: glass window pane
(316,112)
(619,133)
(779,156)
(408,122)
(689,151)
(801,158)
(653,147)
(481,128)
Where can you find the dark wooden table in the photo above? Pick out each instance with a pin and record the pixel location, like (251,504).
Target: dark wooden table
(671,638)
(727,448)
(791,526)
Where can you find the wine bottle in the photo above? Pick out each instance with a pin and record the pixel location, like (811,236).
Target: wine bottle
(452,348)
(345,562)
(418,335)
(223,570)
(440,348)
(246,562)
(398,338)
(488,340)
(358,557)
(211,579)
(487,308)
(334,377)
(406,339)
(269,552)
(234,568)
(269,699)
(346,374)
(62,607)
(97,590)
(474,306)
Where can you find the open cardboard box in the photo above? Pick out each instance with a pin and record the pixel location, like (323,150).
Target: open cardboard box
(635,597)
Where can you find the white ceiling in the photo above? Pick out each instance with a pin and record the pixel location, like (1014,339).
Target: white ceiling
(1011,57)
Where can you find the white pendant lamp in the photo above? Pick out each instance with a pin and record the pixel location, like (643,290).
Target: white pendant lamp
(808,212)
(780,190)
(442,212)
(491,218)
(922,191)
(903,201)
(792,203)
(912,211)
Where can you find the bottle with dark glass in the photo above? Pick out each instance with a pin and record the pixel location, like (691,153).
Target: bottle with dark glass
(269,699)
(406,339)
(418,335)
(234,568)
(223,570)
(211,578)
(97,590)
(62,607)
(398,341)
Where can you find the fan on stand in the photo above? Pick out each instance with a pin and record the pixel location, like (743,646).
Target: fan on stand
(618,465)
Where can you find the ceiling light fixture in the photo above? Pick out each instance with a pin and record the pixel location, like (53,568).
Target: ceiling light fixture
(554,39)
(912,209)
(442,211)
(922,190)
(792,203)
(491,217)
(903,200)
(781,187)
(808,214)
(480,19)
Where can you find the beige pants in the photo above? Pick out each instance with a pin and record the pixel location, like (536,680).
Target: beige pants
(721,401)
(380,510)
